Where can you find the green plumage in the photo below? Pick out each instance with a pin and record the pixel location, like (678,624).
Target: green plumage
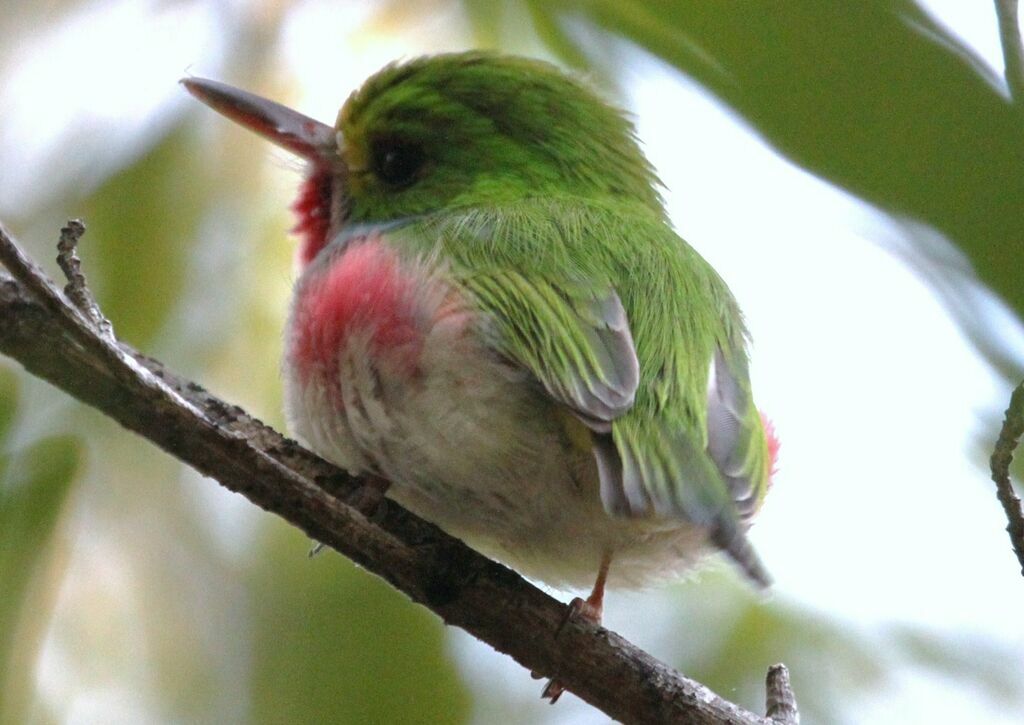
(536,195)
(538,266)
(561,139)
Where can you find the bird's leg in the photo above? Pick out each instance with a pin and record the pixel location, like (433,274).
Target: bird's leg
(589,610)
(592,607)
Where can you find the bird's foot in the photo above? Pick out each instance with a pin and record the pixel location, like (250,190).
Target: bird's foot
(579,610)
(369,499)
(587,610)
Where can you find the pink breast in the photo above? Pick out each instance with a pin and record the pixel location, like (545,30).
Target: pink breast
(364,293)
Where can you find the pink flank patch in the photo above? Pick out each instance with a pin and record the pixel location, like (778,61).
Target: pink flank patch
(773,447)
(312,210)
(363,292)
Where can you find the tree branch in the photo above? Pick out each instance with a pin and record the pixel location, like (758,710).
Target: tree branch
(1013,425)
(1002,457)
(64,339)
(780,700)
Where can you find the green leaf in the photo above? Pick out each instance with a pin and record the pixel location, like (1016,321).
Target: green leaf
(333,643)
(34,484)
(874,96)
(554,36)
(142,225)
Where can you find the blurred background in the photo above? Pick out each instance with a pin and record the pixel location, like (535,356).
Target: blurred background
(853,170)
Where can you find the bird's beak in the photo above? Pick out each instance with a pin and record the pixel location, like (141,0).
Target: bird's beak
(289,129)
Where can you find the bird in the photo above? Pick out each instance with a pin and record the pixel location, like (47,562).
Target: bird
(494,315)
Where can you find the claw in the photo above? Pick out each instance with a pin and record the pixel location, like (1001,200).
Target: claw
(580,609)
(588,610)
(552,691)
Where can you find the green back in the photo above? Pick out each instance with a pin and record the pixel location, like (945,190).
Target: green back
(543,269)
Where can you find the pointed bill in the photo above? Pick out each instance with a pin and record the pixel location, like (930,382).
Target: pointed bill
(289,129)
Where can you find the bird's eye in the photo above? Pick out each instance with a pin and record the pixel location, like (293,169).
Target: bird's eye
(397,163)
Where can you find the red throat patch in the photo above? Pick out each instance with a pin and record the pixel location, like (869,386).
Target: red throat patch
(364,290)
(312,209)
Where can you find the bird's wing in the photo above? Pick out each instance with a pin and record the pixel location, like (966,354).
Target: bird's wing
(738,442)
(650,466)
(673,424)
(574,338)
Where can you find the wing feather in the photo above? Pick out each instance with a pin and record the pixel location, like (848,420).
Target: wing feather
(736,437)
(674,429)
(574,339)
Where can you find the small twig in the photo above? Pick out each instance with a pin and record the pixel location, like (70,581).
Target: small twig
(79,327)
(1013,52)
(76,289)
(1013,425)
(1002,457)
(781,702)
(28,273)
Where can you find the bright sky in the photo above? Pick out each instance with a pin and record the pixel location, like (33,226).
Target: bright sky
(874,391)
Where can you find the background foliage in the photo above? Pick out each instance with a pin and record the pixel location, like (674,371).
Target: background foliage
(133,590)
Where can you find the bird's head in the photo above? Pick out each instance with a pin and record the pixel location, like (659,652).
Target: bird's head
(446,132)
